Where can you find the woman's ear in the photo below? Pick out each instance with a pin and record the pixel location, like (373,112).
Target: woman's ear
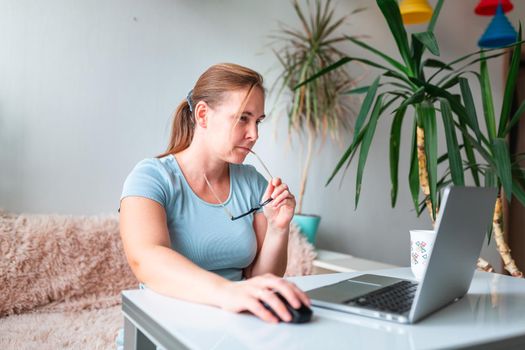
(201,114)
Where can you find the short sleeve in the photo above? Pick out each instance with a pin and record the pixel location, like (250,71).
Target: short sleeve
(149,179)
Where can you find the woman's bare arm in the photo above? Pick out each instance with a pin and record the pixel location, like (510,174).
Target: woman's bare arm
(146,242)
(272,249)
(272,230)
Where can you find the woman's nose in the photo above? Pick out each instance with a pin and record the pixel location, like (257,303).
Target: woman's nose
(253,132)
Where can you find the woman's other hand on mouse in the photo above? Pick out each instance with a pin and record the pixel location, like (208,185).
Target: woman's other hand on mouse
(248,295)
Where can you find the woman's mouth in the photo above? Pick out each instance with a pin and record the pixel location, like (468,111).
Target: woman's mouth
(245,149)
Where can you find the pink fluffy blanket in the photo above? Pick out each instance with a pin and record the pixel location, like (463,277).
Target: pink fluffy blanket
(60,263)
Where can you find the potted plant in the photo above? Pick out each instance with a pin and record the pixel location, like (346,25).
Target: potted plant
(319,108)
(408,85)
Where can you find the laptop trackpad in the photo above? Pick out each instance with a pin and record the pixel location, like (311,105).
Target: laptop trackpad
(349,289)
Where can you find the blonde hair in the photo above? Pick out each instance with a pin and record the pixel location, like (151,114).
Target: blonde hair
(210,88)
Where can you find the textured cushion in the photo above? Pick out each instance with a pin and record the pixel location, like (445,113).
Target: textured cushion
(86,329)
(301,254)
(46,260)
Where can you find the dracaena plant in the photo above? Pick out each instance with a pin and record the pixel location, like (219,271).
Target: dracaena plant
(321,107)
(424,88)
(497,166)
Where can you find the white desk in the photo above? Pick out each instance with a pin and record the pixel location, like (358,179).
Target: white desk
(329,262)
(490,316)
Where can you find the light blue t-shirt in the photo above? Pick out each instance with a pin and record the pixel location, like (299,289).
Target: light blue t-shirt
(202,231)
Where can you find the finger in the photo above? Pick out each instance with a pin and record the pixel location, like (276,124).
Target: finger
(256,308)
(280,198)
(290,294)
(277,306)
(287,203)
(269,190)
(305,299)
(279,189)
(284,287)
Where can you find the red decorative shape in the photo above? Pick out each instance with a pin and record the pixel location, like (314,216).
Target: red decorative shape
(488,7)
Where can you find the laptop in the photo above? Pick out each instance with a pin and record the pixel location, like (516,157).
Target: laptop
(463,220)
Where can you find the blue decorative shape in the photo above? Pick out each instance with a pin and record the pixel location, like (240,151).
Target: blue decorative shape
(499,33)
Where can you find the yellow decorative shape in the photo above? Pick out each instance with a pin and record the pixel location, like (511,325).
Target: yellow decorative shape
(415,11)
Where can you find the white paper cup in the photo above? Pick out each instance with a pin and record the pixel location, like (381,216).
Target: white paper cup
(421,244)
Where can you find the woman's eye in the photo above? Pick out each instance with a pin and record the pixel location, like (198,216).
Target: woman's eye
(243,118)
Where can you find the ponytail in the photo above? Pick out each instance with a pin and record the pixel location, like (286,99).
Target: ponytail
(182,129)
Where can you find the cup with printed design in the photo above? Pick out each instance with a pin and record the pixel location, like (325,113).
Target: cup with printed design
(421,244)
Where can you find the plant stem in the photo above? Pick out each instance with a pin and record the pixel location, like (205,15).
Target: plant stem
(503,248)
(306,168)
(423,174)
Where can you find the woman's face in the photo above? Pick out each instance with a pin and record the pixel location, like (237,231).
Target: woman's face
(233,132)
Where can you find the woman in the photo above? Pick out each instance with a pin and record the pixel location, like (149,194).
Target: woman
(176,210)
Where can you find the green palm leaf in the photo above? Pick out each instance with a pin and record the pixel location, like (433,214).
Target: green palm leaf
(365,108)
(470,107)
(335,66)
(358,91)
(502,159)
(347,156)
(488,103)
(395,143)
(435,15)
(365,146)
(429,41)
(512,77)
(454,157)
(390,11)
(476,53)
(417,97)
(515,118)
(433,63)
(413,174)
(387,58)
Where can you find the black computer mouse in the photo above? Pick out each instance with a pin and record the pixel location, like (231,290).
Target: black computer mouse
(301,315)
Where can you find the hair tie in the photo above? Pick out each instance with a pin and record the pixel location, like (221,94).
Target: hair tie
(188,99)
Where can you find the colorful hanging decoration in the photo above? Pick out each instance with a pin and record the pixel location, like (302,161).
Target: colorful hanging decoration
(415,11)
(488,7)
(499,33)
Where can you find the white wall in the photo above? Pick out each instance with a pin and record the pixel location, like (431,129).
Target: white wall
(87,89)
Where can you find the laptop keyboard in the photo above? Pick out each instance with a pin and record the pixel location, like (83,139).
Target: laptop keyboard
(396,298)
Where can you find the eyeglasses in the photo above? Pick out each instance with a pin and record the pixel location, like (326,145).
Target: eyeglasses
(252,210)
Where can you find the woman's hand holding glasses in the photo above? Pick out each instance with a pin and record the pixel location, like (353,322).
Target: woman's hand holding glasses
(279,212)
